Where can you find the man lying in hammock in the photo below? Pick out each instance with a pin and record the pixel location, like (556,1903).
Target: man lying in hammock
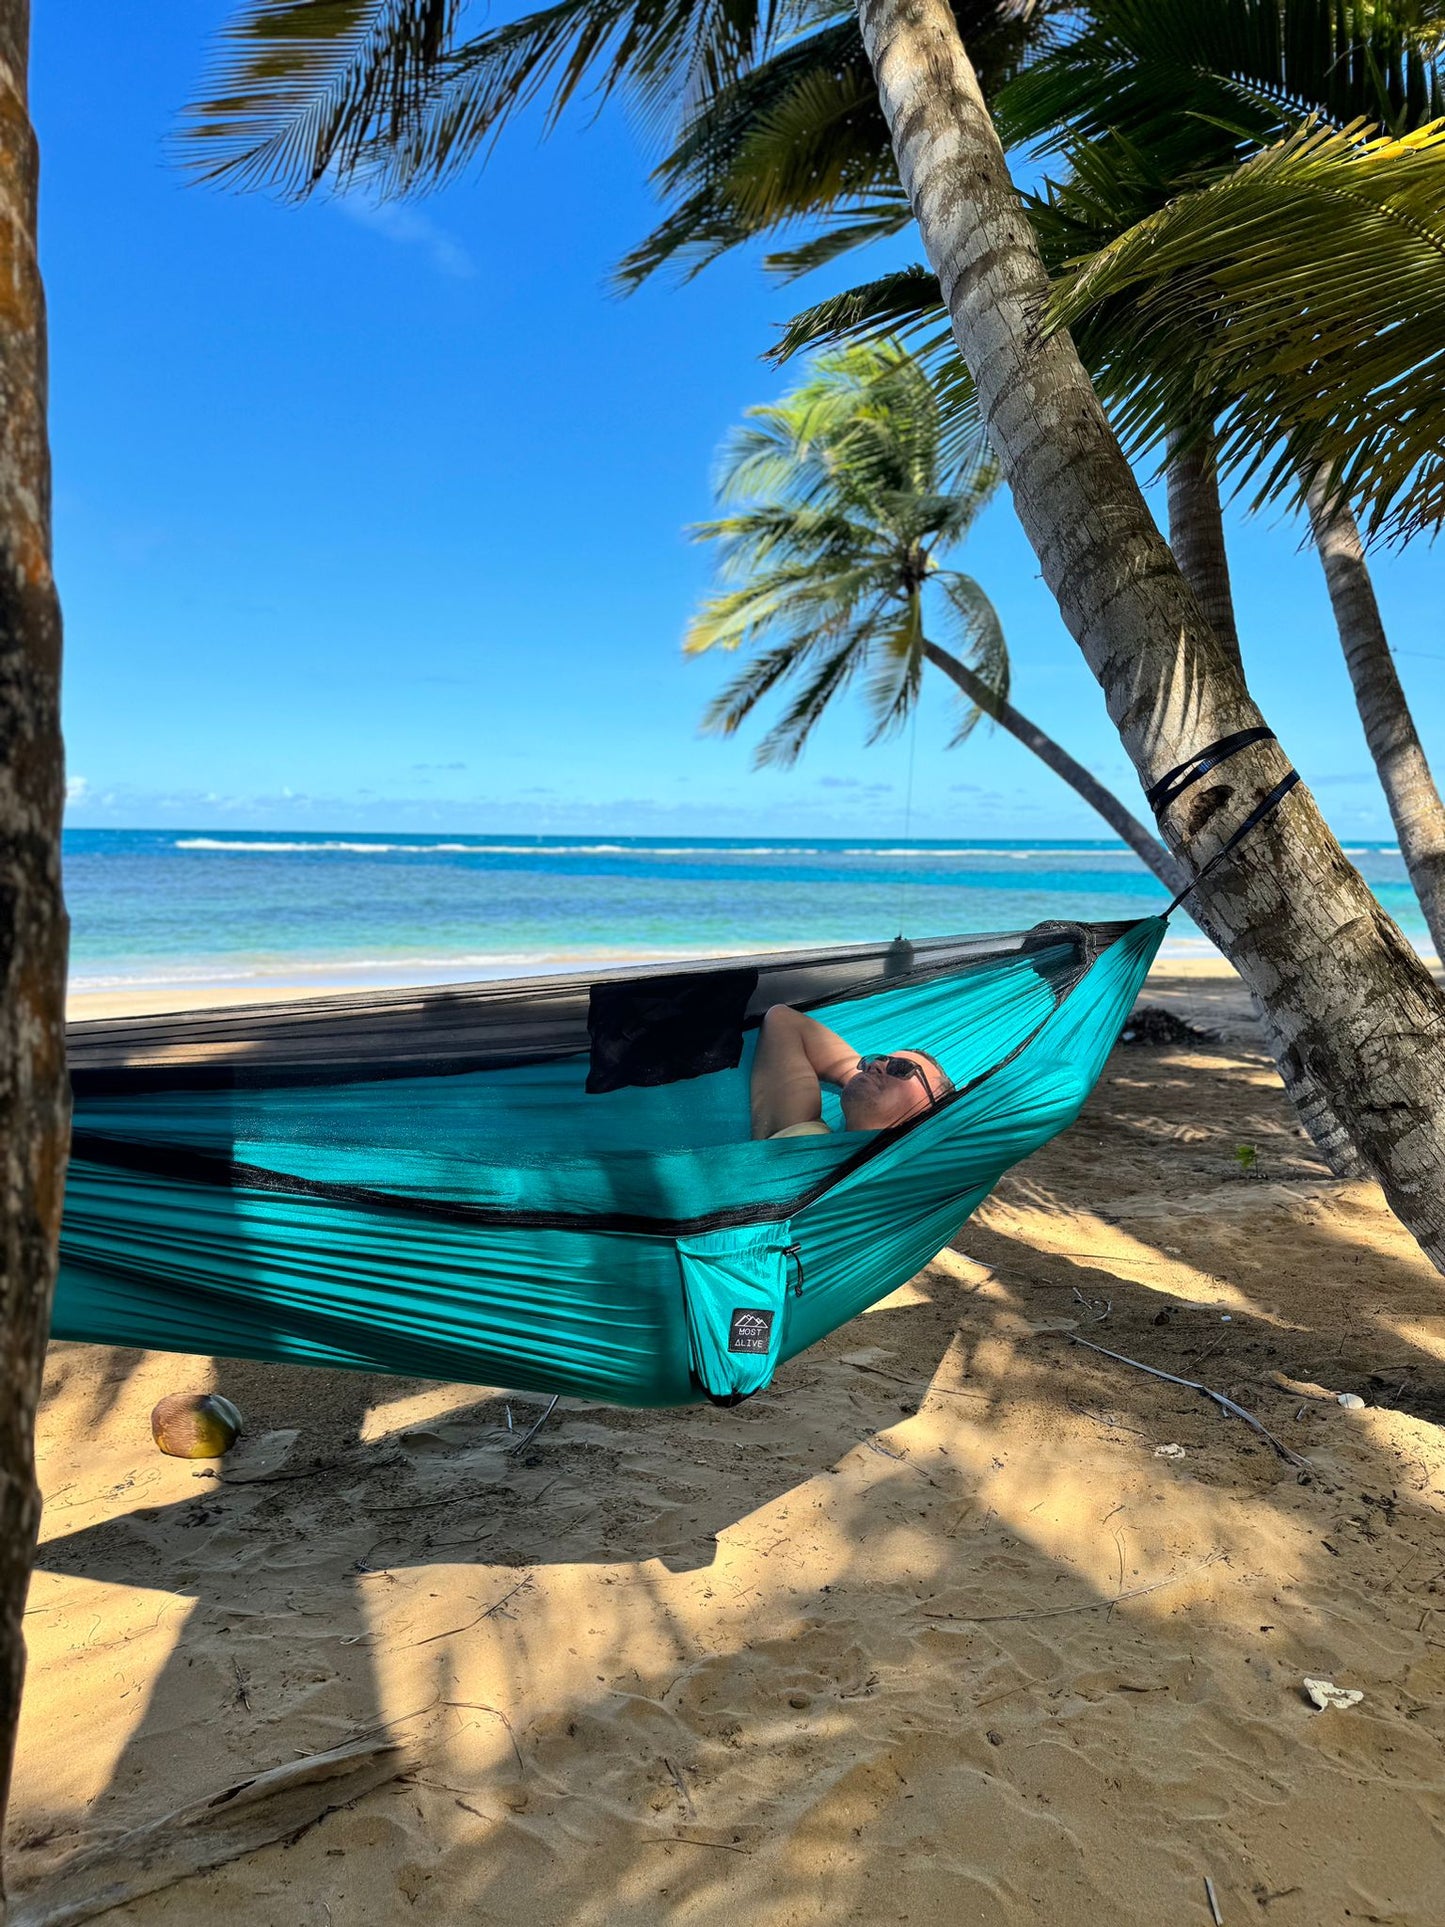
(797,1055)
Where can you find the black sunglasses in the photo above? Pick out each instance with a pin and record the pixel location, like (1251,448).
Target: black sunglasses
(900,1067)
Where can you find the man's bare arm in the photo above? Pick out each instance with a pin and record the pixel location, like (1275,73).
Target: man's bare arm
(795,1056)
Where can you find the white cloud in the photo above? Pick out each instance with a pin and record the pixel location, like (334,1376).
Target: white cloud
(77,788)
(409,229)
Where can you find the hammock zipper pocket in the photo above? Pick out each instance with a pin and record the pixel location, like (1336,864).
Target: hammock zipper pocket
(735,1291)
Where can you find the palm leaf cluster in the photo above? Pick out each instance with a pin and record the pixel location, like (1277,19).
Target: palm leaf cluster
(1240,244)
(1345,366)
(297,88)
(396,94)
(1149,106)
(799,139)
(1200,83)
(843,503)
(1227,255)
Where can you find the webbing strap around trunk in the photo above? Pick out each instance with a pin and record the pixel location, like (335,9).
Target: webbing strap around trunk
(1172,785)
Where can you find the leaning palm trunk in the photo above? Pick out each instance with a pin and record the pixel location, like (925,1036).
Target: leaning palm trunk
(33,1088)
(1415,806)
(1145,845)
(1312,1108)
(1347,993)
(1196,536)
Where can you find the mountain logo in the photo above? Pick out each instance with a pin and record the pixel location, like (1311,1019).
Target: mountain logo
(750,1331)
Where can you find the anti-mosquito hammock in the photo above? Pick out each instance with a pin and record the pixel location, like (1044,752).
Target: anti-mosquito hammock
(462,1183)
(550,1185)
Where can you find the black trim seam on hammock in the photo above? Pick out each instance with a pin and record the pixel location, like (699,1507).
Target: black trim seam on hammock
(213,1172)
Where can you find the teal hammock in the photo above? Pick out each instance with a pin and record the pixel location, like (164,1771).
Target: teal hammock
(485,1183)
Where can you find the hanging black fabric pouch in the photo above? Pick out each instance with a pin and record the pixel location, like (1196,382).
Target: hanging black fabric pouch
(659,1030)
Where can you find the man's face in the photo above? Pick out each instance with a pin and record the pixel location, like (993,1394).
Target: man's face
(875,1100)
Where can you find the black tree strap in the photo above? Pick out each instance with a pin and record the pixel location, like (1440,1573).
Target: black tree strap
(1172,785)
(1257,815)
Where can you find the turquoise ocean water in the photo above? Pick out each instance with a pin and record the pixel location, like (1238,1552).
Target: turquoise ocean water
(163,909)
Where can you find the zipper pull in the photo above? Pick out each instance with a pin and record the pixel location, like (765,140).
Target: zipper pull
(795,1253)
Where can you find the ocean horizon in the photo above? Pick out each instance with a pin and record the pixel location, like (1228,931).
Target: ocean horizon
(189,909)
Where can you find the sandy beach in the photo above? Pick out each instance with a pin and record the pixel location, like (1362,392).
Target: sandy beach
(959,1622)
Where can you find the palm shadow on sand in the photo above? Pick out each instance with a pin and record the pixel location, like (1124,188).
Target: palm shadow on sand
(295,1553)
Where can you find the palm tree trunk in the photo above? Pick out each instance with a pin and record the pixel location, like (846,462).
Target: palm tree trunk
(1196,535)
(33,1086)
(1143,842)
(1415,806)
(1346,991)
(1312,1108)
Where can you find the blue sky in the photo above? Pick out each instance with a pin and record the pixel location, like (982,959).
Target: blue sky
(375,518)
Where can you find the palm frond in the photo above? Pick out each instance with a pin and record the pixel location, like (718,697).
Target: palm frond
(896,671)
(300,91)
(295,89)
(809,611)
(895,305)
(907,306)
(785,742)
(1207,84)
(979,640)
(867,221)
(666,57)
(756,680)
(777,534)
(799,136)
(1300,294)
(770,455)
(728,179)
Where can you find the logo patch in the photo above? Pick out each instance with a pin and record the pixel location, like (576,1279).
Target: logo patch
(750,1331)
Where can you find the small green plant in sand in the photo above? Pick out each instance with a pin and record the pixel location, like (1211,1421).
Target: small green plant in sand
(1246,1157)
